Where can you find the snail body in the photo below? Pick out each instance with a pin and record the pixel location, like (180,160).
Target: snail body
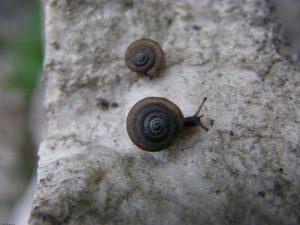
(145,56)
(153,123)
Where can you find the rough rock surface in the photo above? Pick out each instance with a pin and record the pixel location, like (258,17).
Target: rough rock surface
(245,170)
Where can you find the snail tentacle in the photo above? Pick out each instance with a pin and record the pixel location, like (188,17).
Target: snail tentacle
(200,107)
(195,120)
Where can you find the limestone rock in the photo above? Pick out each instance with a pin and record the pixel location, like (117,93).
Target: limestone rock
(245,170)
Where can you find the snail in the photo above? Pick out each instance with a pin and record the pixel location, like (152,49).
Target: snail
(146,57)
(153,123)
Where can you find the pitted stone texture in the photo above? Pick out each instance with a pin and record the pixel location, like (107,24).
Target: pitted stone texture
(245,170)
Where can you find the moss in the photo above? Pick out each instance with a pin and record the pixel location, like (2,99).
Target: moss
(150,177)
(102,104)
(127,163)
(127,3)
(281,187)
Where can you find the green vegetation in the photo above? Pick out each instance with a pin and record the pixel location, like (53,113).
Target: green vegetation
(25,48)
(20,67)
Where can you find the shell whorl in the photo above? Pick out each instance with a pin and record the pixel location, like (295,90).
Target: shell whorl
(145,56)
(153,123)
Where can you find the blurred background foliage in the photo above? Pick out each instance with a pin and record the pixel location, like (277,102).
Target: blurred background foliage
(20,66)
(20,41)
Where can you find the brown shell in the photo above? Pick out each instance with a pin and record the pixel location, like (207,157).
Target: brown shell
(145,56)
(153,123)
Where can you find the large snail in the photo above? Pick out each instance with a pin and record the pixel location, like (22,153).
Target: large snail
(145,56)
(153,123)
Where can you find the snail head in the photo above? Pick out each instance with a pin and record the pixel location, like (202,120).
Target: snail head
(195,120)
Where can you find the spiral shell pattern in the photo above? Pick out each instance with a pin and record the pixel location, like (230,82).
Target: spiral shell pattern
(153,123)
(145,56)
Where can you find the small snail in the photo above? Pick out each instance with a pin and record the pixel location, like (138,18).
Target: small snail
(153,123)
(145,56)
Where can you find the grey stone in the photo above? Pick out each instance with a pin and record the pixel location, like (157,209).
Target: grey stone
(245,170)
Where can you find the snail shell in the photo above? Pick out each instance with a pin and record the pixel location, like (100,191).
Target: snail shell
(153,123)
(145,56)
